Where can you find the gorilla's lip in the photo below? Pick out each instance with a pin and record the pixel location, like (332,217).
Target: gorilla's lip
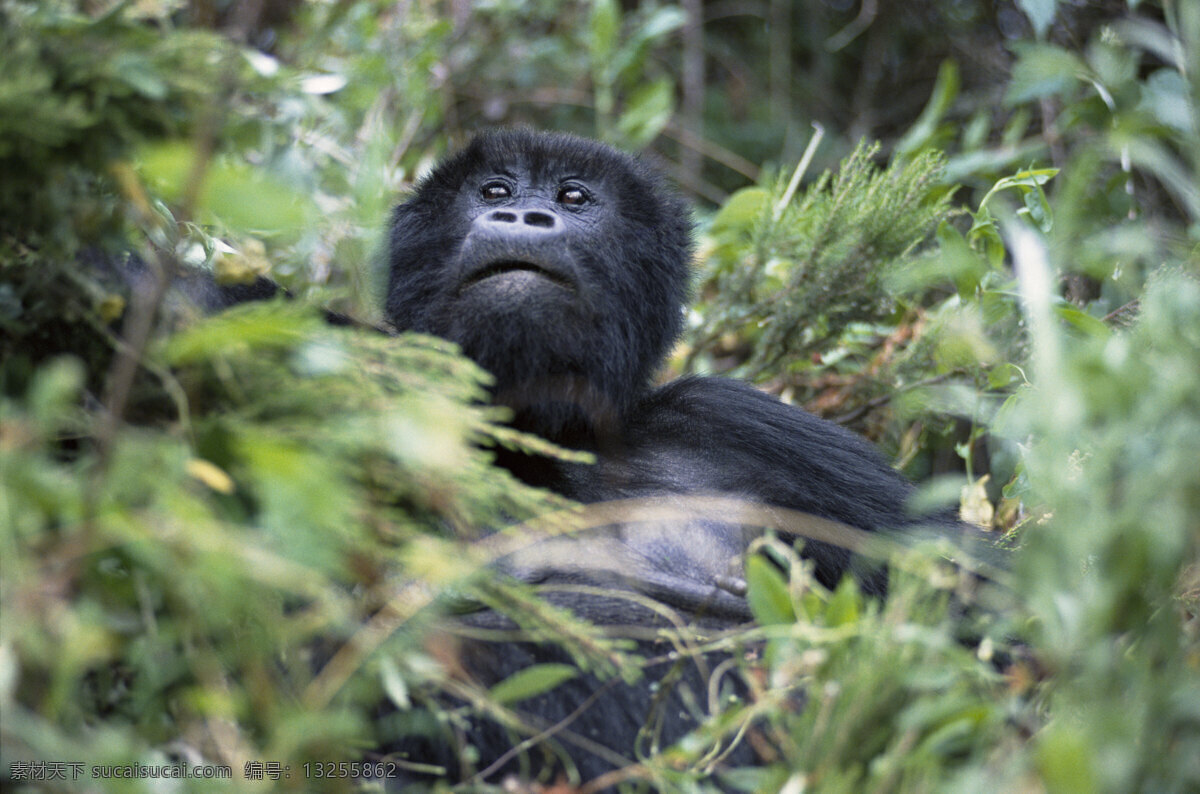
(505,266)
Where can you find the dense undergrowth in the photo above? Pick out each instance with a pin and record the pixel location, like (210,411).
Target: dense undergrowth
(233,551)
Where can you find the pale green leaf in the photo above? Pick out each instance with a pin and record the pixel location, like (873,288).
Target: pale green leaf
(532,681)
(1040,13)
(767,593)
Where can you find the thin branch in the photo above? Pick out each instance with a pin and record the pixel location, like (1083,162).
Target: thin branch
(801,167)
(883,399)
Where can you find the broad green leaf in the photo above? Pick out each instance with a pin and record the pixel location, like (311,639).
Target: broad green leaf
(165,166)
(767,593)
(985,237)
(1003,375)
(1040,13)
(1083,321)
(628,62)
(663,21)
(1065,761)
(1042,70)
(532,681)
(845,606)
(1165,95)
(139,73)
(647,112)
(603,26)
(1029,178)
(248,199)
(741,210)
(245,198)
(1039,209)
(54,391)
(958,261)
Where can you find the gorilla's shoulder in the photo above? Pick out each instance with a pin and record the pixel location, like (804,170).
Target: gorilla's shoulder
(750,443)
(737,409)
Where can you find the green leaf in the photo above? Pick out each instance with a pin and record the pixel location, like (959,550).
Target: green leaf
(767,593)
(1066,761)
(1033,178)
(663,21)
(247,199)
(741,210)
(269,325)
(138,72)
(648,110)
(1042,70)
(1030,178)
(628,62)
(532,681)
(1165,95)
(1039,209)
(54,391)
(394,684)
(603,26)
(845,606)
(1003,375)
(1040,13)
(165,166)
(922,132)
(959,261)
(1083,321)
(985,237)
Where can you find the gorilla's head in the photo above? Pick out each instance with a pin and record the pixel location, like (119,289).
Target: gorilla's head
(559,264)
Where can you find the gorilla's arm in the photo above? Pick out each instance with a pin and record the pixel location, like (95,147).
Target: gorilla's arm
(757,447)
(718,436)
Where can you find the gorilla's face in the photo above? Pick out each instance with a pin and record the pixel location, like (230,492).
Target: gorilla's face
(558,264)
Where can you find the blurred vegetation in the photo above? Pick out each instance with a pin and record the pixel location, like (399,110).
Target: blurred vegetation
(226,539)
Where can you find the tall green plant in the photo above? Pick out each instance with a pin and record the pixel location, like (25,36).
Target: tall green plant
(788,276)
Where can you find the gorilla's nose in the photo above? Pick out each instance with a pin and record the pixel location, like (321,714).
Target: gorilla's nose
(519,222)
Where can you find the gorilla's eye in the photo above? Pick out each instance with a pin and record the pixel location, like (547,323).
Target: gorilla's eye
(572,195)
(494,191)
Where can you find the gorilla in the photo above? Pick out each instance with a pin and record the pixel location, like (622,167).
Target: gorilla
(561,266)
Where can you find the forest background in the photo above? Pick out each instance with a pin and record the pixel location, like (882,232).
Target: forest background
(968,230)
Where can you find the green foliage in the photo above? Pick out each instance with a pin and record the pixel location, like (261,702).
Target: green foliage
(618,67)
(75,92)
(891,701)
(199,568)
(249,564)
(787,277)
(1116,422)
(1058,316)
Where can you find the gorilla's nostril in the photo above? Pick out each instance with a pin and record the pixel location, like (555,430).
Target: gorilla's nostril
(542,219)
(500,216)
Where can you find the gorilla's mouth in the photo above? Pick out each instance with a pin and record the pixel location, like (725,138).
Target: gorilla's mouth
(506,267)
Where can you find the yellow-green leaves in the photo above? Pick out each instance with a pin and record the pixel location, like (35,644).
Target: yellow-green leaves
(243,198)
(532,681)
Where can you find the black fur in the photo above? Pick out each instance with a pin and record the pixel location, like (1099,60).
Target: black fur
(572,307)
